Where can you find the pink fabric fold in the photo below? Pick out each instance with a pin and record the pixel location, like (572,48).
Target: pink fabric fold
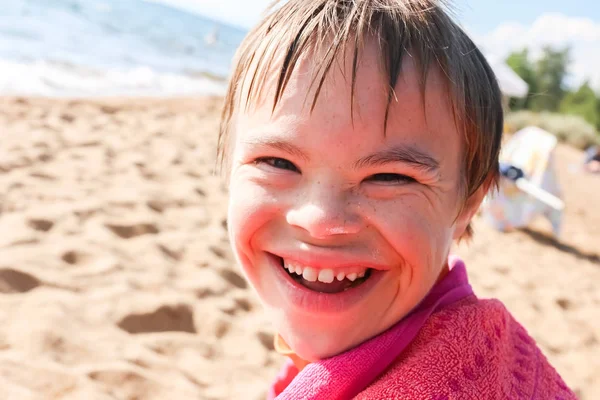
(451,346)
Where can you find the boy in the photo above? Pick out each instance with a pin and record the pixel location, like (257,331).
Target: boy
(360,138)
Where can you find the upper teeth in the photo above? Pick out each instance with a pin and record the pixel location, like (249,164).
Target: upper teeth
(322,275)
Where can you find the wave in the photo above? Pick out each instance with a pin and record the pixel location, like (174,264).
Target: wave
(111,47)
(57,79)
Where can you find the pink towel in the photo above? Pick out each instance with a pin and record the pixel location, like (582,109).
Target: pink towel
(452,346)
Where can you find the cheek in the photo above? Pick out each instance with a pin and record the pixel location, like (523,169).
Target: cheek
(245,213)
(250,211)
(418,233)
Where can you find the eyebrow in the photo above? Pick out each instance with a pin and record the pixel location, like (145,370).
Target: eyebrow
(279,145)
(400,154)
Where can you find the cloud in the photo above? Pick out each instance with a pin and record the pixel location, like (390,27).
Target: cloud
(556,30)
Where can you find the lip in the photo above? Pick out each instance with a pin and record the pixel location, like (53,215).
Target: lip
(309,301)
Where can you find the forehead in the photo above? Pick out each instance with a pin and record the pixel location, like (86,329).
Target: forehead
(340,107)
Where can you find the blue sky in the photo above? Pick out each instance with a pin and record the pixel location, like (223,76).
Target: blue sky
(480,15)
(498,26)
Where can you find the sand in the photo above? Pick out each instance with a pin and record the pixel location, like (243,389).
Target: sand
(117,281)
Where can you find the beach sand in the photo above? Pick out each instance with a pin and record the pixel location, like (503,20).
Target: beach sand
(117,281)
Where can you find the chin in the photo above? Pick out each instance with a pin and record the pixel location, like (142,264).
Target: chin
(315,348)
(314,341)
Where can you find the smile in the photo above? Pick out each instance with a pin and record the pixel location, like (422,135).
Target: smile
(316,289)
(325,280)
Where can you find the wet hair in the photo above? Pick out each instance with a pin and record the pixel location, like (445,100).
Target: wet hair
(420,29)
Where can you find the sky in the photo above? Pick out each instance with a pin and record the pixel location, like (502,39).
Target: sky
(498,26)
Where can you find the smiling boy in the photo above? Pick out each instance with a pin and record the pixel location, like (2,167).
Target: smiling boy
(360,138)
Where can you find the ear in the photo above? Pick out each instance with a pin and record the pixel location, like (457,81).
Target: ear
(468,211)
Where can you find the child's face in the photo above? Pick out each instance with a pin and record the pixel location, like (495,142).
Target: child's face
(343,198)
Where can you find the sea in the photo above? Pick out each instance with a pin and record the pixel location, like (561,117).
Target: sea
(88,48)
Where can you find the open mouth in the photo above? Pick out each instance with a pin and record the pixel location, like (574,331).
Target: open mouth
(325,281)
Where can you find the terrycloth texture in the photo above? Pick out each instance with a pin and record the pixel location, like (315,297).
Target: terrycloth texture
(452,346)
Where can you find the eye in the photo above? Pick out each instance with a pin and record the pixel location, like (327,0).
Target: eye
(391,179)
(279,163)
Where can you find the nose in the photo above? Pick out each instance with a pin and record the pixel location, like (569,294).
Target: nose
(324,212)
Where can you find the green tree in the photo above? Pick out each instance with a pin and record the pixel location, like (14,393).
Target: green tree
(582,102)
(598,112)
(520,63)
(550,71)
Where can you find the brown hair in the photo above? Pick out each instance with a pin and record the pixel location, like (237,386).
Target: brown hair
(422,29)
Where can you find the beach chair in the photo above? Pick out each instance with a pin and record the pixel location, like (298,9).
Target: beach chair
(528,187)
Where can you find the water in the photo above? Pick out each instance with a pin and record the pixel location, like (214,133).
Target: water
(111,48)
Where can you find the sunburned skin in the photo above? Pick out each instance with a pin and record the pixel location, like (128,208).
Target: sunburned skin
(325,194)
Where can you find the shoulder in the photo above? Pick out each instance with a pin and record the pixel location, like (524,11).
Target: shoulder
(473,348)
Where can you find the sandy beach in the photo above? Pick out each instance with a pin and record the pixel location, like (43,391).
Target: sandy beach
(117,281)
